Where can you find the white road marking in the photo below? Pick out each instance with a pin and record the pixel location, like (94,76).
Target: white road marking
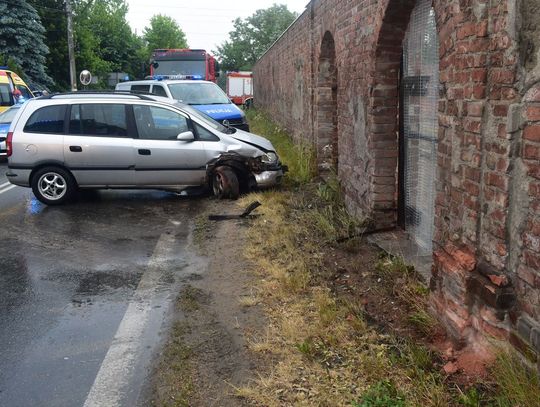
(118,366)
(4,184)
(7,189)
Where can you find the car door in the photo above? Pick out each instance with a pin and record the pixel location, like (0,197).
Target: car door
(161,159)
(98,147)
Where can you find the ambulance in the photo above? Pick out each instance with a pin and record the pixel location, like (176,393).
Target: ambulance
(13,90)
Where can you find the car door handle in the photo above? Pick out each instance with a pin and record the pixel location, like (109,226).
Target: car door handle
(75,149)
(144,151)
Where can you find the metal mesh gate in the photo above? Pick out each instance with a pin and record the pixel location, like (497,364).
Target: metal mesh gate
(420,96)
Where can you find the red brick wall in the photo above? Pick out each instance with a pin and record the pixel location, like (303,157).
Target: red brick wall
(487,226)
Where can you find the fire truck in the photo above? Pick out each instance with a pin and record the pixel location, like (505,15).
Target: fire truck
(196,63)
(240,87)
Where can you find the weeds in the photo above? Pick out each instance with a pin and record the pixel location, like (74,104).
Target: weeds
(517,384)
(299,157)
(203,229)
(188,301)
(175,385)
(382,394)
(406,285)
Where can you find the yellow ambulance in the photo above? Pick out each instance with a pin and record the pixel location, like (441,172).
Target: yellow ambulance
(12,89)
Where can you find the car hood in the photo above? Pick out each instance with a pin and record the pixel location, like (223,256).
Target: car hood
(253,140)
(226,111)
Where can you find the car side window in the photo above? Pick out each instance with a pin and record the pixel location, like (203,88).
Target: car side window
(5,95)
(205,135)
(104,120)
(48,119)
(156,123)
(159,90)
(140,88)
(25,93)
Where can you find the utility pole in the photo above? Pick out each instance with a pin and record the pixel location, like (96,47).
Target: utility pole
(71,47)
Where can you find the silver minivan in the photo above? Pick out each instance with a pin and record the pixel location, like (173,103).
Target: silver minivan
(59,143)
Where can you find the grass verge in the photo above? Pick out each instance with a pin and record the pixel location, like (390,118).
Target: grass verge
(175,386)
(299,157)
(326,353)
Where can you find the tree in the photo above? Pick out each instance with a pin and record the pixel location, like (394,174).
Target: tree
(252,36)
(104,40)
(165,33)
(22,41)
(53,16)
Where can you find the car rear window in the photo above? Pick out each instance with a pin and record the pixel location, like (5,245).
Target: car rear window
(105,120)
(140,88)
(48,119)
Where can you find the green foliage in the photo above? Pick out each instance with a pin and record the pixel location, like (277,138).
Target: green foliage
(382,394)
(307,348)
(517,384)
(299,157)
(104,40)
(393,267)
(252,36)
(471,398)
(423,321)
(53,17)
(22,42)
(164,32)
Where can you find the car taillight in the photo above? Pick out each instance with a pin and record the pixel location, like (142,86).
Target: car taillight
(9,143)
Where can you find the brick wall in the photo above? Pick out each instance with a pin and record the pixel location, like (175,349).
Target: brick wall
(486,261)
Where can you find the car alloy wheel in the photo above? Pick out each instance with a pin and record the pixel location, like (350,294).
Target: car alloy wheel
(52,186)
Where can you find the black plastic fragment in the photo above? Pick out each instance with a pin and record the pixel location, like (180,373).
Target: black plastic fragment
(244,215)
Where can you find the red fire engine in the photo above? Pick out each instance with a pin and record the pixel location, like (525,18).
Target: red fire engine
(240,87)
(193,62)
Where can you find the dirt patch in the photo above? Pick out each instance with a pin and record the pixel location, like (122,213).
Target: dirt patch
(207,357)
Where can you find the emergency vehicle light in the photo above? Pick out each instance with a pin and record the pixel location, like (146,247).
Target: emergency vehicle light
(163,77)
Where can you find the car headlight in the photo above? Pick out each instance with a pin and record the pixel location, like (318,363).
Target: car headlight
(269,158)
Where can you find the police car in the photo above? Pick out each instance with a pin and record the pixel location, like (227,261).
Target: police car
(205,96)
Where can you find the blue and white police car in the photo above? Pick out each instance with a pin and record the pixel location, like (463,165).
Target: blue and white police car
(205,96)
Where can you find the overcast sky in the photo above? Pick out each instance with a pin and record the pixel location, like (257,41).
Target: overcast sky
(206,23)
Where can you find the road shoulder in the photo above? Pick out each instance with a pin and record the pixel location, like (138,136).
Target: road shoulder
(206,357)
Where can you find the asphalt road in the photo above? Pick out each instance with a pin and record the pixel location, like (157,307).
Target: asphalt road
(85,292)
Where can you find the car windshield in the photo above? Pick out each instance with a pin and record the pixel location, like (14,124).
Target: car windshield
(198,93)
(8,115)
(205,118)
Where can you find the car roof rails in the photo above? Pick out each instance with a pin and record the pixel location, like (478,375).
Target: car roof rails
(83,93)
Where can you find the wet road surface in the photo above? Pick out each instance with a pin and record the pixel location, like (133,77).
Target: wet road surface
(85,291)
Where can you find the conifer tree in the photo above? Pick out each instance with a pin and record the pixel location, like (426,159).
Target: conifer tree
(21,41)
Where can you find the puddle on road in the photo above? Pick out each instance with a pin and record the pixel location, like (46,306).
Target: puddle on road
(95,283)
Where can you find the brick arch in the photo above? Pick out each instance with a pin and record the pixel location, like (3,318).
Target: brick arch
(326,105)
(383,113)
(383,125)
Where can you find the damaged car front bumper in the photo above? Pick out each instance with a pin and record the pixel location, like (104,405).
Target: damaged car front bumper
(268,179)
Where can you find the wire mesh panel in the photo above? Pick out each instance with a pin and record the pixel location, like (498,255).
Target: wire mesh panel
(420,95)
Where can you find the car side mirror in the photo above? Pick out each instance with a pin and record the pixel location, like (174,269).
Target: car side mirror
(186,136)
